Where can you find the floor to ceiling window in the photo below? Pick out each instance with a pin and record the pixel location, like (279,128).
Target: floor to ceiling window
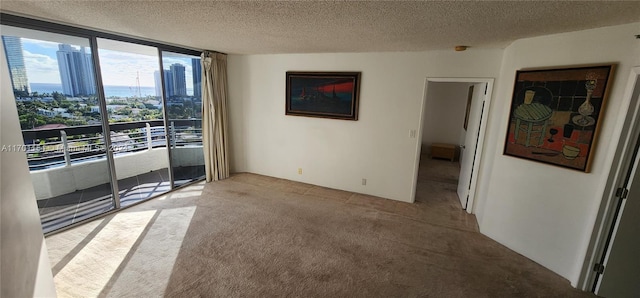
(182,78)
(55,91)
(135,112)
(106,122)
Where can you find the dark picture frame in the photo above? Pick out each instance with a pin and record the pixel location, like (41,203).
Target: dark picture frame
(323,94)
(556,114)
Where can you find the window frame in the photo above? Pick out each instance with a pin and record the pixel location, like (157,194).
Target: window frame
(7,19)
(30,23)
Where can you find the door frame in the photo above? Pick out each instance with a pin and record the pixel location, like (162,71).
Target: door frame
(481,133)
(621,164)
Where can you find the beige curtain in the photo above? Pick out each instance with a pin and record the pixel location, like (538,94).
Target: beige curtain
(214,116)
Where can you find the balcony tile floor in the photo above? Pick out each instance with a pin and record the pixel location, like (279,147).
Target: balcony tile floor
(63,210)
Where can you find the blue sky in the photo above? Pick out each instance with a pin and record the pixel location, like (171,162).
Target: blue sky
(118,68)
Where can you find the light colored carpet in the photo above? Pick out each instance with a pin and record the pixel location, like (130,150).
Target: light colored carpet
(257,236)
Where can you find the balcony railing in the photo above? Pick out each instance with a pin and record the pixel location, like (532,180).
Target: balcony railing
(47,148)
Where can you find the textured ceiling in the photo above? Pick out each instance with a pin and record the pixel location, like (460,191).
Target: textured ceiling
(345,26)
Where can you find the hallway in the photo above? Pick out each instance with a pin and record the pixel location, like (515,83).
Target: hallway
(436,194)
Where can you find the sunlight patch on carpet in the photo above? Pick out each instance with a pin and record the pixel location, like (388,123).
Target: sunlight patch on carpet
(90,270)
(187,192)
(148,271)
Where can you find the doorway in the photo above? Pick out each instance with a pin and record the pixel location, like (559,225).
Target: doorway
(464,94)
(611,267)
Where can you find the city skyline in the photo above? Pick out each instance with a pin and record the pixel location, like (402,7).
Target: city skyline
(175,82)
(41,65)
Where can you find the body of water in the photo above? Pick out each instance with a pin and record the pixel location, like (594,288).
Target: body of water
(109,91)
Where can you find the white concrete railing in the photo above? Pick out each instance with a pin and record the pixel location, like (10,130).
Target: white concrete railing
(64,148)
(57,181)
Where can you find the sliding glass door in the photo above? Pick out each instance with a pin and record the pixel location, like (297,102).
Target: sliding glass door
(107,121)
(53,79)
(136,119)
(182,80)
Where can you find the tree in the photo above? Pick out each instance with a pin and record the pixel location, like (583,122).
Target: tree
(58,96)
(31,120)
(20,93)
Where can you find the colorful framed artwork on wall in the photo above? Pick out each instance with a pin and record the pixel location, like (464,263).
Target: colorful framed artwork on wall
(556,113)
(323,94)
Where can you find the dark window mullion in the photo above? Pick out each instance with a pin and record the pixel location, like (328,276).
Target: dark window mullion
(102,102)
(165,113)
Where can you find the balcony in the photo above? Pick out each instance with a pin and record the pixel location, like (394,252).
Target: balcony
(70,173)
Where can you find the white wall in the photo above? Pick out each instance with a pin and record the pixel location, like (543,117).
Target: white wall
(338,153)
(444,113)
(543,212)
(24,262)
(546,212)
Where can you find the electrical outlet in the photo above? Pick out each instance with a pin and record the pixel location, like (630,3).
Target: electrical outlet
(364,181)
(299,171)
(412,133)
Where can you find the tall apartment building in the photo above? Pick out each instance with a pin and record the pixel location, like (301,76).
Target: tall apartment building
(179,80)
(76,71)
(196,70)
(15,59)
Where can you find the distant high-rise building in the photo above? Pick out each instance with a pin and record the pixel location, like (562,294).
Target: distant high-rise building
(179,80)
(158,82)
(168,83)
(15,59)
(76,71)
(175,83)
(196,70)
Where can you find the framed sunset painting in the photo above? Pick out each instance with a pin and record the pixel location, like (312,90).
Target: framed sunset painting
(323,94)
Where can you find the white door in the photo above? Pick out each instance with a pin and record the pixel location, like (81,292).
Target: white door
(468,149)
(621,277)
